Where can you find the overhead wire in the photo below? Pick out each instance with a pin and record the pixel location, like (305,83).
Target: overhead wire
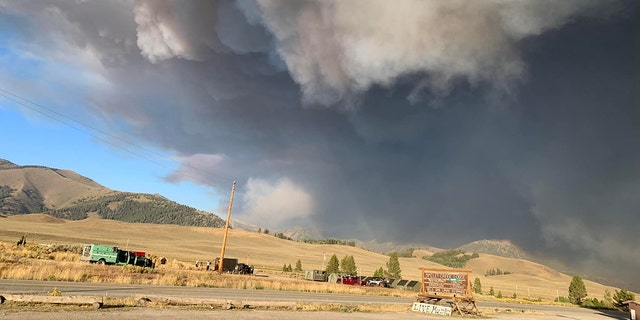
(111,140)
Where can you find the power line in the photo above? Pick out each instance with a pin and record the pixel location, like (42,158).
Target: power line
(100,134)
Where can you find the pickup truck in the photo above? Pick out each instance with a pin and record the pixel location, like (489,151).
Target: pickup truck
(352,280)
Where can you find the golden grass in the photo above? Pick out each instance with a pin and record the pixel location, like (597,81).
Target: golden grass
(182,246)
(23,263)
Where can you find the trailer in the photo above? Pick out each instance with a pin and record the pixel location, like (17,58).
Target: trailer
(112,255)
(228,264)
(316,275)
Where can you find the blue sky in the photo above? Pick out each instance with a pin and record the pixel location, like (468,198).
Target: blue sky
(497,120)
(36,140)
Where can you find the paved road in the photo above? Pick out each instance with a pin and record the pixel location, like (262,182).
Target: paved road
(126,290)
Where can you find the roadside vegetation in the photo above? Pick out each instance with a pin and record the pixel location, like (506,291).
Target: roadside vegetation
(62,263)
(578,295)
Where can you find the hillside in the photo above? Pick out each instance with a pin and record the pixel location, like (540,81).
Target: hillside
(269,253)
(299,233)
(66,194)
(502,248)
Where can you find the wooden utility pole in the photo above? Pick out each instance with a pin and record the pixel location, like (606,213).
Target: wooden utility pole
(226,229)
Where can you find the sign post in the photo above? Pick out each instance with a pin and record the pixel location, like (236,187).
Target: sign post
(452,286)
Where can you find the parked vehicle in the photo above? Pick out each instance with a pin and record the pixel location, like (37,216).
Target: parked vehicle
(228,265)
(352,280)
(316,275)
(95,253)
(376,282)
(243,268)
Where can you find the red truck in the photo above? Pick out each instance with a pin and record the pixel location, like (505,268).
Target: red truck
(352,280)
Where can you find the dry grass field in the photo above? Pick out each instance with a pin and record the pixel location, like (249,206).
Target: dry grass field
(182,246)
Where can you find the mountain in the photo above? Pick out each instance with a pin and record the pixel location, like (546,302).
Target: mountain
(300,233)
(502,248)
(69,195)
(234,224)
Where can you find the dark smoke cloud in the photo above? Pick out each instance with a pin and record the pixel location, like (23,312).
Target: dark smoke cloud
(440,122)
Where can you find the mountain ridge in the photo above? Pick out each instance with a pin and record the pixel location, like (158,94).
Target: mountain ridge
(66,194)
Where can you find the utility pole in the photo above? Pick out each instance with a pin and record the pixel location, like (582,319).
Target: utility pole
(226,229)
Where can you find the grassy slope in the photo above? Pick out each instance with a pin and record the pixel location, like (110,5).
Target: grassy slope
(58,188)
(270,253)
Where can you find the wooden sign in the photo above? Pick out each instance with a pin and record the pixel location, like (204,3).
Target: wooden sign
(450,286)
(446,282)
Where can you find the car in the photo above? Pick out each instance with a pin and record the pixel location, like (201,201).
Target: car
(376,282)
(243,268)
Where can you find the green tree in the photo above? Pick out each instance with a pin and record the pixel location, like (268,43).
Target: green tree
(379,273)
(477,286)
(284,268)
(406,253)
(621,296)
(577,290)
(492,292)
(348,265)
(499,296)
(333,266)
(298,265)
(289,268)
(393,267)
(608,299)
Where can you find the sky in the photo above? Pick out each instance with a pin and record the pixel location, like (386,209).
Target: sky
(435,122)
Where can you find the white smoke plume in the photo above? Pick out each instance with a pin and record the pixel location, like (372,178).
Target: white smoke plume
(275,204)
(335,49)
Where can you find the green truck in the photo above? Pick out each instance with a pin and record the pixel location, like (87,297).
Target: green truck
(100,254)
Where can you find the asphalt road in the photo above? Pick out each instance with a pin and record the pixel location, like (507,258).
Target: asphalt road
(518,311)
(128,290)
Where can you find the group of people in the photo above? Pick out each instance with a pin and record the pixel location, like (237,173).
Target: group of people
(201,263)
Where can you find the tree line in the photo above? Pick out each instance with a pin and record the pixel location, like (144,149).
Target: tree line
(451,258)
(125,207)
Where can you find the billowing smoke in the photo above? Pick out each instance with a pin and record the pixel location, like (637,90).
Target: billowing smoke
(438,122)
(276,204)
(336,50)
